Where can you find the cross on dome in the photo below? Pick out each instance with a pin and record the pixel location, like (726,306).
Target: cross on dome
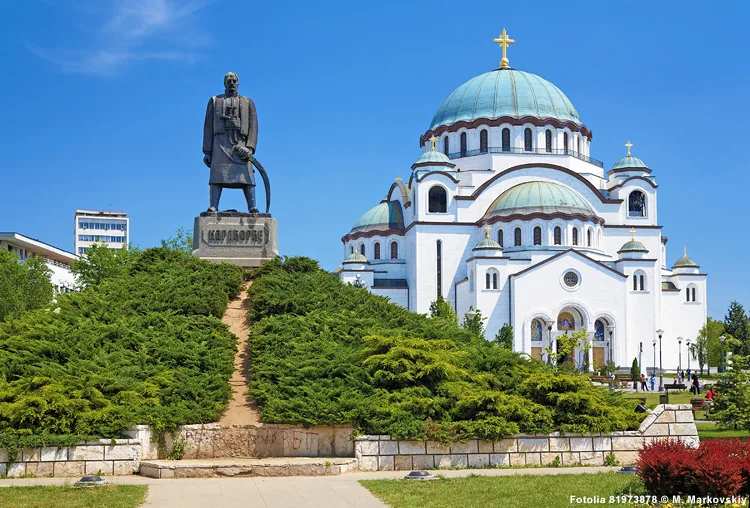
(487,230)
(684,249)
(433,139)
(398,179)
(632,234)
(504,41)
(628,144)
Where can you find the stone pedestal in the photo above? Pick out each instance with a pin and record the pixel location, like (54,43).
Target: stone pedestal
(242,239)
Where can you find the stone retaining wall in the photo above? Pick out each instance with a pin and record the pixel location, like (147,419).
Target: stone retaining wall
(381,453)
(104,456)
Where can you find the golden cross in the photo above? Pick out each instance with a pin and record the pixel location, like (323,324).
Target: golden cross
(504,41)
(628,144)
(487,230)
(433,139)
(632,234)
(685,250)
(398,179)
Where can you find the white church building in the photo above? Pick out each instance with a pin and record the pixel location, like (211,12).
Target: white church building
(507,212)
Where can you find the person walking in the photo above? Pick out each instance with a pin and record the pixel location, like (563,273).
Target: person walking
(653,381)
(644,386)
(696,384)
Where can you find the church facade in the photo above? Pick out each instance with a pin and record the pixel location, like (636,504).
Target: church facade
(506,212)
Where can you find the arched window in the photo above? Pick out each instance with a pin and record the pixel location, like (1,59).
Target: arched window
(599,330)
(565,142)
(548,140)
(439,260)
(376,254)
(635,282)
(464,148)
(639,282)
(575,236)
(536,330)
(506,140)
(437,200)
(351,249)
(637,204)
(394,250)
(446,145)
(483,144)
(527,142)
(642,280)
(687,294)
(487,280)
(578,144)
(693,294)
(537,235)
(558,235)
(500,237)
(517,238)
(494,280)
(690,293)
(588,238)
(362,249)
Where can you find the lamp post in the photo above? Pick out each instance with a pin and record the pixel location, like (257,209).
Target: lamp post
(723,339)
(660,332)
(654,364)
(549,332)
(679,356)
(611,330)
(687,345)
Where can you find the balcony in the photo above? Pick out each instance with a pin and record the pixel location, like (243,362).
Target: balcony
(517,151)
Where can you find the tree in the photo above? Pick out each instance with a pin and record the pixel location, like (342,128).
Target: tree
(182,241)
(24,285)
(440,308)
(504,337)
(635,372)
(736,324)
(100,263)
(473,322)
(732,404)
(707,346)
(583,343)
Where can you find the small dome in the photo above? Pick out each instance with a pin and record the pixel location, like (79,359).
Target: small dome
(630,162)
(505,92)
(632,246)
(487,243)
(386,215)
(531,198)
(355,257)
(685,262)
(433,158)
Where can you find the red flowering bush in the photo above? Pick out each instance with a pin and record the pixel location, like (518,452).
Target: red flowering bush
(720,467)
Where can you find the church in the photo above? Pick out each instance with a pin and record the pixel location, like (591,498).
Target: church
(507,213)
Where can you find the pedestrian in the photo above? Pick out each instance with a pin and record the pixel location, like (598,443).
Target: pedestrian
(644,387)
(688,374)
(653,381)
(682,376)
(696,384)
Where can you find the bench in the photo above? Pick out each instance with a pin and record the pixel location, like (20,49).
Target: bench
(601,379)
(625,381)
(675,386)
(698,405)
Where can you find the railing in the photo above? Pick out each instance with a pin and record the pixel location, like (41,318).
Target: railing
(536,151)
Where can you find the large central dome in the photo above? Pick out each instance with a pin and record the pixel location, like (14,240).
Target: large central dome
(505,93)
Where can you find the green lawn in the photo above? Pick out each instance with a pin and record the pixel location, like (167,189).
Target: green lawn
(713,431)
(109,496)
(521,491)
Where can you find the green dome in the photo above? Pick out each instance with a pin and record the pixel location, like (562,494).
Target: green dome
(685,262)
(355,257)
(632,246)
(433,158)
(540,198)
(386,215)
(505,92)
(630,162)
(487,243)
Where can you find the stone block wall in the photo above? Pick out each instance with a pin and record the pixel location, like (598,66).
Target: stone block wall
(381,453)
(104,456)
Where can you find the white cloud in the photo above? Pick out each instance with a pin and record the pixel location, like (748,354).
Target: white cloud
(128,31)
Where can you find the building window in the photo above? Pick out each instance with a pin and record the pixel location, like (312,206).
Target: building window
(437,200)
(527,142)
(487,280)
(639,282)
(571,279)
(362,249)
(506,140)
(578,144)
(637,204)
(588,238)
(565,142)
(690,293)
(494,280)
(464,148)
(548,140)
(642,280)
(483,144)
(394,250)
(500,237)
(490,279)
(635,282)
(351,249)
(558,235)
(376,254)
(517,235)
(693,291)
(537,235)
(439,258)
(445,145)
(575,236)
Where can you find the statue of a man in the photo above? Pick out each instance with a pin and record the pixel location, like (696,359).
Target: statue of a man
(229,137)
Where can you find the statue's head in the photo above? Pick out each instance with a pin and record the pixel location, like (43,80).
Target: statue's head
(231,82)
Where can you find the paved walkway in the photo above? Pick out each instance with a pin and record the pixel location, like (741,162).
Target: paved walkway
(342,491)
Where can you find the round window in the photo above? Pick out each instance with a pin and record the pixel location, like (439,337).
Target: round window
(571,279)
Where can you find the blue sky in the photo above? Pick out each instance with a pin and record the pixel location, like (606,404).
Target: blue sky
(103,105)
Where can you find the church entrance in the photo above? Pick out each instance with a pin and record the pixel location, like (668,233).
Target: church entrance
(570,320)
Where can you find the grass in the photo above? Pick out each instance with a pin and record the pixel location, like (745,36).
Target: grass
(519,491)
(713,431)
(111,496)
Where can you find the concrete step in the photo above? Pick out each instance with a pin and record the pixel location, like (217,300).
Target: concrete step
(270,466)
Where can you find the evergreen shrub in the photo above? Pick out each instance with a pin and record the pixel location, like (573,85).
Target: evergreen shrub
(328,353)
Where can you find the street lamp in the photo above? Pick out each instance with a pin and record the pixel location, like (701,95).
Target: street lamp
(687,345)
(679,353)
(611,330)
(549,331)
(723,339)
(654,371)
(660,332)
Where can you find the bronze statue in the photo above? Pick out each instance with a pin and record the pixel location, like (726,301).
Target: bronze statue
(230,134)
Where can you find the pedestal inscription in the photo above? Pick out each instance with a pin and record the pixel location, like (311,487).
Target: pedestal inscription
(242,239)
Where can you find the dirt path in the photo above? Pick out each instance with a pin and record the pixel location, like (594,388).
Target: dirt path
(242,411)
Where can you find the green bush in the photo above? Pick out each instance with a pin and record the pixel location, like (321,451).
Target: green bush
(141,344)
(325,352)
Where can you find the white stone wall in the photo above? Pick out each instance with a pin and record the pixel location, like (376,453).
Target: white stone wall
(382,453)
